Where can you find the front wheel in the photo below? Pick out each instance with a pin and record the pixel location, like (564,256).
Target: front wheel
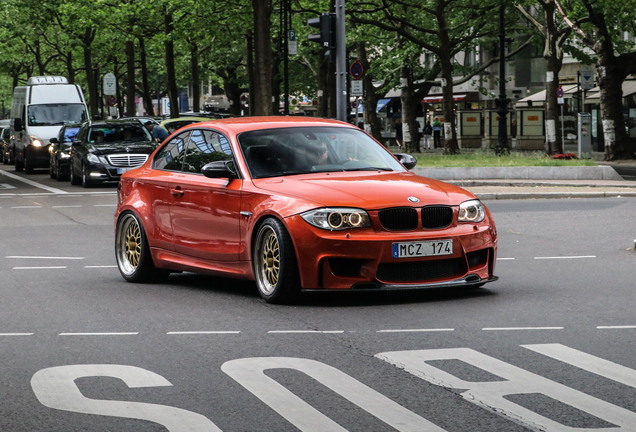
(132,251)
(86,177)
(75,180)
(275,264)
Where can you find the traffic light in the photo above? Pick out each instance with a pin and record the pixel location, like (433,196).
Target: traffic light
(327,25)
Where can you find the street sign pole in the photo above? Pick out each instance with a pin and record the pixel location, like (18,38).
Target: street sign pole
(560,98)
(341,62)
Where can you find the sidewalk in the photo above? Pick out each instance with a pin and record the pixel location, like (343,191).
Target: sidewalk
(606,180)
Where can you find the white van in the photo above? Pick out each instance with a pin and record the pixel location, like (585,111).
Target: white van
(38,112)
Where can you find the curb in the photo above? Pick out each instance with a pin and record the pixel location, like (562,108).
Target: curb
(551,195)
(599,172)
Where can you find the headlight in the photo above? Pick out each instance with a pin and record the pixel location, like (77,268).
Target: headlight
(471,211)
(337,219)
(92,158)
(36,141)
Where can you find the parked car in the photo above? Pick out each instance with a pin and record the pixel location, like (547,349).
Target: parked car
(5,145)
(298,203)
(106,149)
(60,151)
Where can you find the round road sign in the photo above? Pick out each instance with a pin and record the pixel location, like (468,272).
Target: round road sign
(357,70)
(560,92)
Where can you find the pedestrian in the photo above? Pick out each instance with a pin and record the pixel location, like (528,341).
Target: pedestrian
(437,132)
(428,131)
(158,133)
(398,132)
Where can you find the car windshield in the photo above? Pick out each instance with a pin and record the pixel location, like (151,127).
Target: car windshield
(56,114)
(300,150)
(129,132)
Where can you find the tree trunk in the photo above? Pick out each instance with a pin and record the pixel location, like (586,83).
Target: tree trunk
(144,78)
(451,146)
(263,57)
(70,70)
(232,91)
(410,126)
(553,109)
(131,107)
(370,99)
(196,80)
(93,95)
(611,75)
(171,76)
(249,38)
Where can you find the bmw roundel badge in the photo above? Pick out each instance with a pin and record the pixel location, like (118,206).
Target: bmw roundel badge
(414,200)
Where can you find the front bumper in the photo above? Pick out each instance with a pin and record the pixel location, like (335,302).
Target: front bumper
(38,156)
(100,172)
(363,259)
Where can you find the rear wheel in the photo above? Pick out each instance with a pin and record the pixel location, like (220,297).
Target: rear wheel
(86,178)
(18,165)
(275,264)
(52,171)
(27,166)
(133,252)
(75,180)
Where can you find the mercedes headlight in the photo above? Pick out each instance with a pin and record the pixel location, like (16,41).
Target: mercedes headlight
(92,158)
(337,219)
(471,211)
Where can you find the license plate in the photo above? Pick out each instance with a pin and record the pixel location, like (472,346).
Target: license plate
(421,249)
(122,170)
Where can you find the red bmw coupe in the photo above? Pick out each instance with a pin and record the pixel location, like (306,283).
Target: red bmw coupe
(297,204)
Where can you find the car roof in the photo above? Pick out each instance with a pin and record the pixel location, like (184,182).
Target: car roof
(114,122)
(244,124)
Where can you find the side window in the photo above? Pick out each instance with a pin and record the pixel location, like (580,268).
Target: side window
(206,146)
(170,157)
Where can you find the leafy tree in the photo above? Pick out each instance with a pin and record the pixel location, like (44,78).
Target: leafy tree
(600,26)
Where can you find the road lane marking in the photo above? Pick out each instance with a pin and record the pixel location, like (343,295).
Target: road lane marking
(303,331)
(32,183)
(617,327)
(42,257)
(100,334)
(565,257)
(203,332)
(39,268)
(521,328)
(26,207)
(16,334)
(6,186)
(505,259)
(416,330)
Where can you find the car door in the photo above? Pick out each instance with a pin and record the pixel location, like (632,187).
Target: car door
(157,188)
(205,214)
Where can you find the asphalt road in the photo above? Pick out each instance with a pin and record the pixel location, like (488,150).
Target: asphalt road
(550,346)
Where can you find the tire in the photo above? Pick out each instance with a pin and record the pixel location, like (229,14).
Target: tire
(18,165)
(75,180)
(275,264)
(132,251)
(52,172)
(86,179)
(28,169)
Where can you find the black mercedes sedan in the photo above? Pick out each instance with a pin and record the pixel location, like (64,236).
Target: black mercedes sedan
(105,149)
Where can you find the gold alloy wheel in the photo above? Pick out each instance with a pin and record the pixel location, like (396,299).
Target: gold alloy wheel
(128,244)
(132,245)
(271,259)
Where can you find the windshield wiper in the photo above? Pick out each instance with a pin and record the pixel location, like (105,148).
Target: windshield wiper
(369,168)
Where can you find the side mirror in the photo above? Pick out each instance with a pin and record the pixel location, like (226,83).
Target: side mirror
(407,160)
(53,140)
(219,169)
(17,124)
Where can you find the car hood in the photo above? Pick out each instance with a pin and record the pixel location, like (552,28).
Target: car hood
(45,133)
(146,147)
(368,190)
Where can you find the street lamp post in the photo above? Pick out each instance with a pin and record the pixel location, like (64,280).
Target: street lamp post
(502,101)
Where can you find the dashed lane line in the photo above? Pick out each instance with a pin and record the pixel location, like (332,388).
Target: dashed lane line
(616,327)
(566,257)
(43,257)
(16,334)
(520,328)
(416,330)
(203,332)
(39,268)
(304,331)
(101,334)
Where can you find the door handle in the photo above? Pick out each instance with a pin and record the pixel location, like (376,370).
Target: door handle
(177,192)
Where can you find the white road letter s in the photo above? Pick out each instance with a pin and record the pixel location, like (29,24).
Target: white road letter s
(55,388)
